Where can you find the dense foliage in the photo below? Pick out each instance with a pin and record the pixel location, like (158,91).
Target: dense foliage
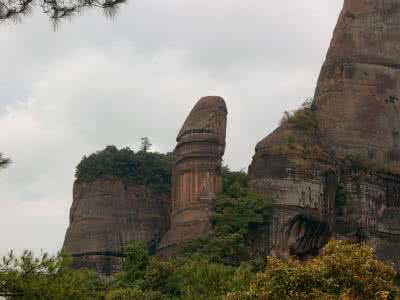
(345,271)
(300,139)
(206,268)
(176,278)
(133,294)
(142,167)
(237,211)
(46,277)
(214,268)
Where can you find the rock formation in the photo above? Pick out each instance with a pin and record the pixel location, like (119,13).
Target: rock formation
(358,91)
(108,214)
(196,176)
(356,110)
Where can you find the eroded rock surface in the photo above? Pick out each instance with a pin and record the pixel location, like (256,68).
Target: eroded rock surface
(356,107)
(358,92)
(106,215)
(196,176)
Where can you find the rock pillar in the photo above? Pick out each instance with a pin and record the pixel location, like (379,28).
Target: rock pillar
(197,172)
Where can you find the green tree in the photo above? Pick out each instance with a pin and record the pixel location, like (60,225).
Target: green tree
(176,278)
(125,294)
(146,145)
(136,262)
(238,210)
(346,270)
(147,168)
(133,294)
(303,119)
(161,275)
(201,279)
(46,278)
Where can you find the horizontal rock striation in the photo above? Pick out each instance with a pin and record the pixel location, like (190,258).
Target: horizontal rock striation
(196,176)
(106,215)
(356,108)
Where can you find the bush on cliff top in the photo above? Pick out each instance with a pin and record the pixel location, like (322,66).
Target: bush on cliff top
(303,119)
(148,168)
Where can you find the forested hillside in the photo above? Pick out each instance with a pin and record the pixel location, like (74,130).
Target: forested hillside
(217,267)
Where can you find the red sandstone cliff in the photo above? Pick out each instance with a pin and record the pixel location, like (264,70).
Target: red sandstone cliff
(108,214)
(196,176)
(356,108)
(358,91)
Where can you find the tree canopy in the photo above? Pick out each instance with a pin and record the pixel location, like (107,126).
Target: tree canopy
(142,167)
(217,267)
(345,271)
(235,213)
(214,268)
(46,278)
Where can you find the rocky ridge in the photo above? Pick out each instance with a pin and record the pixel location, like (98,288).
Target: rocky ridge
(335,180)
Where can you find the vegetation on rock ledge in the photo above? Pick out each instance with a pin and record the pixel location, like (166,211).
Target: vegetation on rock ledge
(303,119)
(237,211)
(142,167)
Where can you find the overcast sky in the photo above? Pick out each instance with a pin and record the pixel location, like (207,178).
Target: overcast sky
(96,82)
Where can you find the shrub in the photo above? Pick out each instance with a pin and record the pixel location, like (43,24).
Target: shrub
(203,280)
(125,294)
(345,271)
(151,169)
(136,262)
(46,277)
(235,212)
(133,294)
(303,119)
(161,276)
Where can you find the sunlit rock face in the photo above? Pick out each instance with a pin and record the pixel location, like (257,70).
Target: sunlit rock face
(106,215)
(357,108)
(196,176)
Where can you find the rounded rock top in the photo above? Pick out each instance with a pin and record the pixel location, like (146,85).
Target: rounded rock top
(210,103)
(207,116)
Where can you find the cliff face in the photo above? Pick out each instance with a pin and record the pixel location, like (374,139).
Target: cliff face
(196,176)
(356,109)
(359,86)
(108,214)
(371,213)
